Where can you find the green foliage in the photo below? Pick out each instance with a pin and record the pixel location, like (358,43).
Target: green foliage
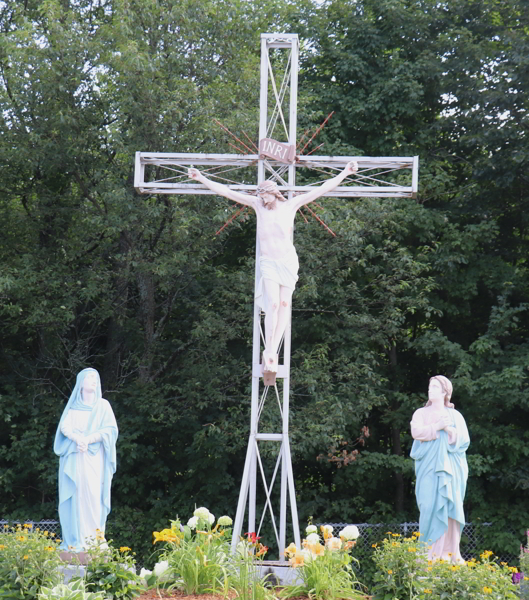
(245,576)
(403,571)
(75,590)
(198,562)
(29,561)
(324,569)
(112,572)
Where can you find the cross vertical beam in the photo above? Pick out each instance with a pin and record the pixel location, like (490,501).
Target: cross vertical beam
(248,491)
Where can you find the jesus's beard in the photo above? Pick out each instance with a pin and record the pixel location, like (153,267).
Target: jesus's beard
(270,205)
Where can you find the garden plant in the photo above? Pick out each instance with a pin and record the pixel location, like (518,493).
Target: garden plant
(324,568)
(404,571)
(29,560)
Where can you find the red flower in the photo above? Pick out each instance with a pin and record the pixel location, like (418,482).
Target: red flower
(252,537)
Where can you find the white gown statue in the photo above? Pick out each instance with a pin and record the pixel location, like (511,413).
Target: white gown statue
(86,443)
(439,449)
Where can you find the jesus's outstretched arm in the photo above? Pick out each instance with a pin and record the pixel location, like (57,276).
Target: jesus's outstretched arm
(222,190)
(350,169)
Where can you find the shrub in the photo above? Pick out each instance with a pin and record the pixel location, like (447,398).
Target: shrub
(197,555)
(404,571)
(113,572)
(325,569)
(29,560)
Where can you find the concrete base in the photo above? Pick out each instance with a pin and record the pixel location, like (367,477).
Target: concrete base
(70,571)
(74,558)
(283,573)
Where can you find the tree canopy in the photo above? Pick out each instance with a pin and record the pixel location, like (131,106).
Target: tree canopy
(139,287)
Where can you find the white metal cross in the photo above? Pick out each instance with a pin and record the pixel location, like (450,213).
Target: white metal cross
(376,177)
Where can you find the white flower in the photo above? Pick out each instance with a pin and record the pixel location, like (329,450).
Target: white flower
(313,538)
(162,571)
(202,513)
(144,573)
(211,519)
(311,529)
(334,543)
(242,549)
(225,521)
(349,533)
(192,523)
(327,529)
(307,555)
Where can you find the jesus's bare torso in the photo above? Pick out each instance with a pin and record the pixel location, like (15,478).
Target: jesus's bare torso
(274,229)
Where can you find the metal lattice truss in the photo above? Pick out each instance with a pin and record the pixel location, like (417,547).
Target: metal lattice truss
(166,173)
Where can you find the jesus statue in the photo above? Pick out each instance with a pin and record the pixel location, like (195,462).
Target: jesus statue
(278,261)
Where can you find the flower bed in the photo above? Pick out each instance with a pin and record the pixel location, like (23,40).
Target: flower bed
(195,562)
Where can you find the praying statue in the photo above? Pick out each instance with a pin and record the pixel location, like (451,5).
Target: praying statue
(86,443)
(278,260)
(439,450)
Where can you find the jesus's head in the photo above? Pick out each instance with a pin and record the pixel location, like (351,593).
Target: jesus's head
(269,194)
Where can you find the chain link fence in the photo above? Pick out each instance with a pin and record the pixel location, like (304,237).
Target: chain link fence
(473,538)
(45,525)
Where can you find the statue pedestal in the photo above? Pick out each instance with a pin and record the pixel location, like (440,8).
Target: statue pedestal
(68,571)
(75,558)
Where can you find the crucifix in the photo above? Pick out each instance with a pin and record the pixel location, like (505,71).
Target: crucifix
(275,202)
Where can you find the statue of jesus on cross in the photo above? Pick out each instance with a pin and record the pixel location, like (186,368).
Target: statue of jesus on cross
(278,261)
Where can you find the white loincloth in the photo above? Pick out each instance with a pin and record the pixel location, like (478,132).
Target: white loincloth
(283,271)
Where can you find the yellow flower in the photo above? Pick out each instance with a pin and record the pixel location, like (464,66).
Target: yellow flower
(52,534)
(429,568)
(388,532)
(374,545)
(21,538)
(526,578)
(50,548)
(28,525)
(2,547)
(513,569)
(291,550)
(486,554)
(395,544)
(395,534)
(412,549)
(504,564)
(46,533)
(454,568)
(25,557)
(487,590)
(124,549)
(297,560)
(427,591)
(390,572)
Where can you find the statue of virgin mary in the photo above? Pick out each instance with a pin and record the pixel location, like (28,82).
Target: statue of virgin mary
(86,443)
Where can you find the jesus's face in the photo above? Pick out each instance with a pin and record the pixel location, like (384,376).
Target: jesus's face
(269,200)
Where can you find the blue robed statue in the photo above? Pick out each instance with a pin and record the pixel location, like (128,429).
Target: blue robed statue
(86,443)
(439,451)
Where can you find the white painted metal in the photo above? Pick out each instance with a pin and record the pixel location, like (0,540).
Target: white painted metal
(368,182)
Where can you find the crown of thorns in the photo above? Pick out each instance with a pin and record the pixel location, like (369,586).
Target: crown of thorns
(268,186)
